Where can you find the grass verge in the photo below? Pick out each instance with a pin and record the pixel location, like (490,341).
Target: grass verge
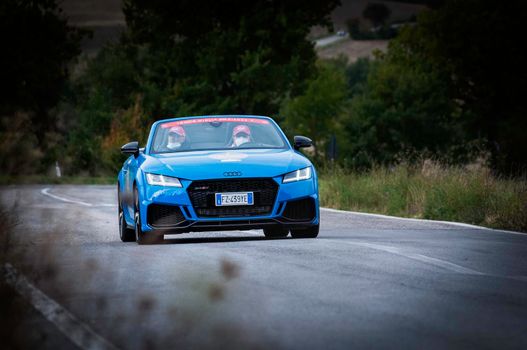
(430,191)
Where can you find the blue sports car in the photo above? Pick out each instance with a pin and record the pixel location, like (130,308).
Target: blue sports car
(212,173)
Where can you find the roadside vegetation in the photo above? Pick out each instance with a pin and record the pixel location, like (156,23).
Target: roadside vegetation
(429,190)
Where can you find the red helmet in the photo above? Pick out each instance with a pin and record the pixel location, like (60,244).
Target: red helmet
(177,130)
(241,128)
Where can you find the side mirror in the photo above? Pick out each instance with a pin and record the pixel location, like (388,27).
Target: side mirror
(131,148)
(302,142)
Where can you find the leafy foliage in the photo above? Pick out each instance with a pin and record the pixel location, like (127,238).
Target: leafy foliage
(37,45)
(403,107)
(475,48)
(240,57)
(316,112)
(445,86)
(443,89)
(236,57)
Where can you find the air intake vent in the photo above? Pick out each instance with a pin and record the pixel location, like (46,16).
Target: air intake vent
(159,215)
(300,210)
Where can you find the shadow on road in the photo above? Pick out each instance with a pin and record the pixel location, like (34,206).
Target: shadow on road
(216,240)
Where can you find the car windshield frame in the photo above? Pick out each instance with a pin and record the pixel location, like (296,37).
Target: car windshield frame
(220,119)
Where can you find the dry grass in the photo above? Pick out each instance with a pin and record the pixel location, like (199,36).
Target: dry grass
(466,194)
(352,49)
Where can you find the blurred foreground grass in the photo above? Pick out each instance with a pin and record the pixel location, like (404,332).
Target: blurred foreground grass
(468,194)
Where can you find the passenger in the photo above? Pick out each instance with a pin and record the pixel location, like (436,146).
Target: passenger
(176,138)
(240,134)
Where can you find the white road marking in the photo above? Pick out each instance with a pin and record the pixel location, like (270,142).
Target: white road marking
(45,192)
(419,257)
(76,331)
(453,223)
(433,261)
(443,264)
(519,278)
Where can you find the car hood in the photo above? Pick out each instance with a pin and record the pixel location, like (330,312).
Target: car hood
(199,165)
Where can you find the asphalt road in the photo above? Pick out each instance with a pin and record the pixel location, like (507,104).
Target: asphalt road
(365,282)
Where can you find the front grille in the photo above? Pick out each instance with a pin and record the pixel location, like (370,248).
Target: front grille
(159,215)
(303,209)
(202,194)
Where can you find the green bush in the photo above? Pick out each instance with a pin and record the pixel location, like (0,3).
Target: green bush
(316,112)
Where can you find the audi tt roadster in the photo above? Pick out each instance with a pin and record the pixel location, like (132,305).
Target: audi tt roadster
(213,173)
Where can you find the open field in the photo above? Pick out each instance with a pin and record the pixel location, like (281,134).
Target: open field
(354,8)
(352,49)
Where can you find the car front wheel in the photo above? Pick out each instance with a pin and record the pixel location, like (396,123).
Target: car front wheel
(140,236)
(126,234)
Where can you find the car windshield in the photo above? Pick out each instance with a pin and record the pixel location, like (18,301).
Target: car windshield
(216,133)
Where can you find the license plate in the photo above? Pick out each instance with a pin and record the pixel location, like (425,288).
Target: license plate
(234,198)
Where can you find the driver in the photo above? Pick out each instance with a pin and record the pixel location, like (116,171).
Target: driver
(240,134)
(176,138)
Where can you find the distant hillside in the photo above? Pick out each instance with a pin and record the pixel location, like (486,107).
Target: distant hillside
(104,17)
(354,8)
(353,49)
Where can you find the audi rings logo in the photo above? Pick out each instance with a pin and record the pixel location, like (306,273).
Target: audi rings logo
(232,173)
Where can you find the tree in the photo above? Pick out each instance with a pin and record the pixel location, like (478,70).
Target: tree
(377,13)
(193,58)
(37,46)
(403,108)
(456,78)
(475,47)
(316,112)
(232,57)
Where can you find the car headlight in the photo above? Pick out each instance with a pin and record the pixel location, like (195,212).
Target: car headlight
(298,175)
(163,180)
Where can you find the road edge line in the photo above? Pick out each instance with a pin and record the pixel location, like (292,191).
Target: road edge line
(76,331)
(45,192)
(454,223)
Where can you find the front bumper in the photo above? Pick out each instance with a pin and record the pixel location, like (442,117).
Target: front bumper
(297,194)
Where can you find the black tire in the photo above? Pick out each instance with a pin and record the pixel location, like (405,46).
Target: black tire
(276,232)
(140,236)
(311,232)
(126,234)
